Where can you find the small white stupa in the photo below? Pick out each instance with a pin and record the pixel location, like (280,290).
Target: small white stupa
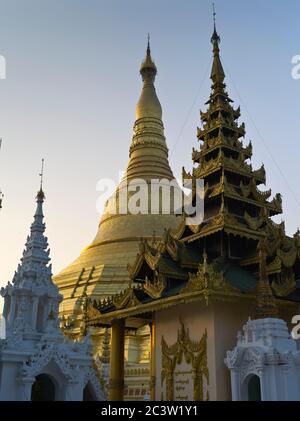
(36,361)
(265,363)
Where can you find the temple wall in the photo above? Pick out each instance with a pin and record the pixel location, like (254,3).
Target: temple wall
(222,322)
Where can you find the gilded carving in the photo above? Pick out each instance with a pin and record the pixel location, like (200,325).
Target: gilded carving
(194,353)
(286,285)
(255,223)
(156,288)
(91,312)
(206,279)
(274,266)
(260,174)
(126,298)
(276,203)
(288,258)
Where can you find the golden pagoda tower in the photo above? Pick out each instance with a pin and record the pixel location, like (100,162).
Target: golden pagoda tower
(201,283)
(101,268)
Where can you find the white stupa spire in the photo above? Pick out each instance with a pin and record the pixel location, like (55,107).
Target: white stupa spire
(31,342)
(34,266)
(35,271)
(32,296)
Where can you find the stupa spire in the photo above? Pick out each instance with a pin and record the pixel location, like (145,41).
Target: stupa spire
(148,67)
(148,142)
(34,266)
(42,177)
(148,46)
(148,104)
(118,237)
(217,72)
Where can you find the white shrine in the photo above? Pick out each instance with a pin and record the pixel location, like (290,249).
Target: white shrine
(37,362)
(265,364)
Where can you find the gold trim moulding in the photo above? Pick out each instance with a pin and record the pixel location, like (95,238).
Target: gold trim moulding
(161,304)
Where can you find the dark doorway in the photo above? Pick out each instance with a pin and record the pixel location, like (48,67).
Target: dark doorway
(88,394)
(43,389)
(254,392)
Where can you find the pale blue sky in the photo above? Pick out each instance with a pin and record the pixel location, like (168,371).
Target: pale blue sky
(72,84)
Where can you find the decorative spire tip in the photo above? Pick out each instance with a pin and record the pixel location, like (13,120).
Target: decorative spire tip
(215,37)
(148,45)
(214,16)
(41,194)
(148,63)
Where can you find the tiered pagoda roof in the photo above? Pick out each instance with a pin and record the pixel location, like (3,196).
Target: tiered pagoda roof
(221,256)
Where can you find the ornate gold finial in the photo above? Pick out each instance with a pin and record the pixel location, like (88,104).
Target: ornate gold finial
(41,195)
(215,37)
(217,72)
(265,303)
(148,69)
(148,104)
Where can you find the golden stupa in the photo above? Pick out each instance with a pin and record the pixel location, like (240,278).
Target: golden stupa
(101,268)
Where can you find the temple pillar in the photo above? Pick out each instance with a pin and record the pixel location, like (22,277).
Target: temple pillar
(116,373)
(235,384)
(152,362)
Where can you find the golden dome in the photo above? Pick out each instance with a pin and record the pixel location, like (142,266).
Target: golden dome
(101,268)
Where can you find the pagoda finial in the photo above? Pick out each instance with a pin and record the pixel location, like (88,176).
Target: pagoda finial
(215,37)
(148,68)
(217,72)
(41,195)
(42,174)
(148,46)
(148,104)
(214,16)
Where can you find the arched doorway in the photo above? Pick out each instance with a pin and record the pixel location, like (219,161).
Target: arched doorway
(254,391)
(43,389)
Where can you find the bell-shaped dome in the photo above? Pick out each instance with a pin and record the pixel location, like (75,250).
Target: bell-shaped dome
(101,268)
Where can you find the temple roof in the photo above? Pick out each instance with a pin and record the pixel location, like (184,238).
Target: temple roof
(220,257)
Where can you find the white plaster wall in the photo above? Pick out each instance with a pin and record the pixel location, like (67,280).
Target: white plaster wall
(9,373)
(222,322)
(229,318)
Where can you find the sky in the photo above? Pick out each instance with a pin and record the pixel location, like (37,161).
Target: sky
(72,82)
